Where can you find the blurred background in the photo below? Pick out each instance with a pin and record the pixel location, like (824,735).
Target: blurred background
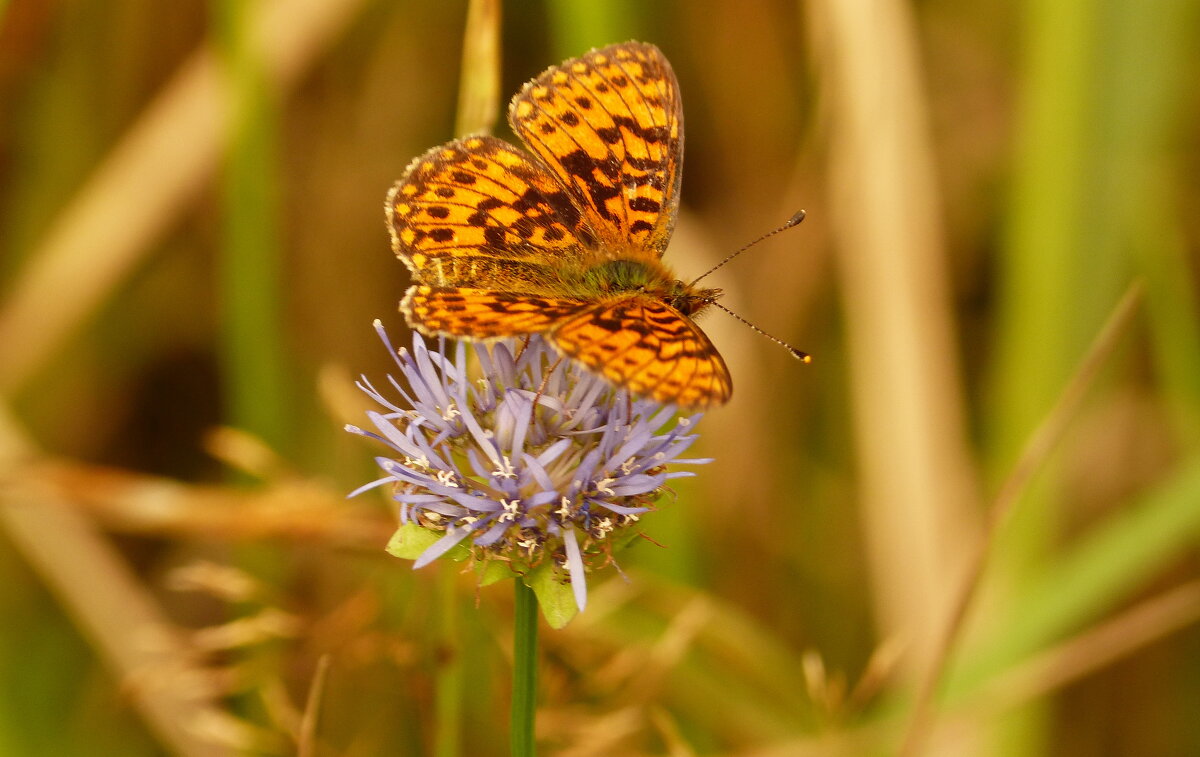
(997,278)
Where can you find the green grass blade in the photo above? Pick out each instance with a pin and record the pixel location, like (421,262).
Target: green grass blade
(251,275)
(577,27)
(1105,568)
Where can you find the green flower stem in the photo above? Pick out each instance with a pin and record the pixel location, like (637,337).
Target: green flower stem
(448,699)
(524,698)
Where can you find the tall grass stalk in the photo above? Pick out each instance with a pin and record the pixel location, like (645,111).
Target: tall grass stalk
(478,109)
(1095,98)
(254,373)
(1040,270)
(577,27)
(1034,454)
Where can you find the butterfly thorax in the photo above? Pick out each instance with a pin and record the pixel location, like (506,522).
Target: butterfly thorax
(625,276)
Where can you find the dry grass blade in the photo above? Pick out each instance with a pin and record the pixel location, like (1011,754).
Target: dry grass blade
(142,187)
(640,671)
(137,503)
(307,746)
(669,731)
(173,692)
(479,91)
(136,193)
(1034,454)
(119,616)
(1102,645)
(917,480)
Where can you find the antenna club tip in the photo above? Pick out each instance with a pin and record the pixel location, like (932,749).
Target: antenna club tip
(803,357)
(796,219)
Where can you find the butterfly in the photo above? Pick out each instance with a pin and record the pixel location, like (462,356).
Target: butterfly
(565,239)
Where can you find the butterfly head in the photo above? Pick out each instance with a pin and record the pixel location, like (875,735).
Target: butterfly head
(689,300)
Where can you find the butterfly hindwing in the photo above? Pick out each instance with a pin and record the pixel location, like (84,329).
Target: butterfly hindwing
(648,347)
(483,314)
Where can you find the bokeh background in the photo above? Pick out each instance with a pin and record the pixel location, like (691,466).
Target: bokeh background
(997,279)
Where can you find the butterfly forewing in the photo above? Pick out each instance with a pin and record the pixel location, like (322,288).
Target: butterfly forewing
(478,211)
(610,125)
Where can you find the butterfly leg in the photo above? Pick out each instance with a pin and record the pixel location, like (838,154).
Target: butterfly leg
(545,380)
(522,345)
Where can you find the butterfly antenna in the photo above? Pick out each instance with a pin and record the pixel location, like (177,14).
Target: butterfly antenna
(793,221)
(803,357)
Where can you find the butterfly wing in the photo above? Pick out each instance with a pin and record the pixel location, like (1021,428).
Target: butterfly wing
(609,124)
(648,347)
(488,231)
(477,212)
(482,313)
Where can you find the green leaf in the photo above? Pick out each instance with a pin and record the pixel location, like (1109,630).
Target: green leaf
(492,571)
(410,540)
(554,595)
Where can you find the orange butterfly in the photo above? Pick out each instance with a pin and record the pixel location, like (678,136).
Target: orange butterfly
(566,242)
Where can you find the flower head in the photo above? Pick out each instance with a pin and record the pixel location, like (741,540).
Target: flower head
(475,467)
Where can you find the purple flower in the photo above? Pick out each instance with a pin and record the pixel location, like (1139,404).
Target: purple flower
(473,466)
